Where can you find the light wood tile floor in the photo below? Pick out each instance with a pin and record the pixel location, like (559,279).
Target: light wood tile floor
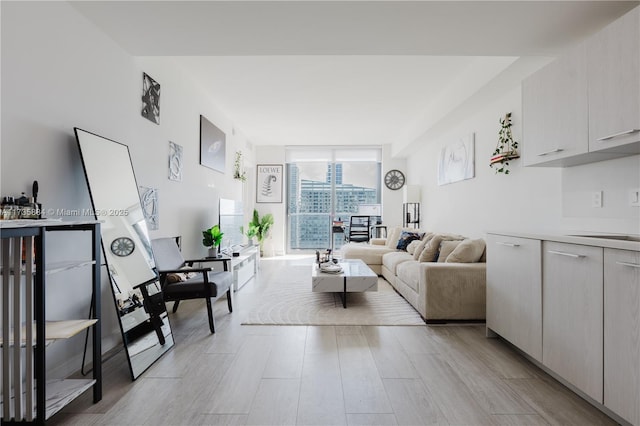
(286,375)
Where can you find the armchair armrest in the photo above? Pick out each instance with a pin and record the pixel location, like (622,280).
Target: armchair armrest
(185,270)
(224,259)
(378,241)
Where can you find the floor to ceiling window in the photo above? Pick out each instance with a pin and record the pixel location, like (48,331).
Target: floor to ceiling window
(326,185)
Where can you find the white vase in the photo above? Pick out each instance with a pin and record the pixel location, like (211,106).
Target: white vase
(213,251)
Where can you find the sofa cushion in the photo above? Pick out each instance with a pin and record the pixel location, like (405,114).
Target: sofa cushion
(420,247)
(407,237)
(370,254)
(393,259)
(446,247)
(411,248)
(468,251)
(392,239)
(430,250)
(409,273)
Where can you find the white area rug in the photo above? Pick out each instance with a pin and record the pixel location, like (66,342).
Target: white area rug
(288,300)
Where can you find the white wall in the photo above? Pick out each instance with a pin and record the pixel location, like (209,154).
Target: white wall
(533,199)
(59,72)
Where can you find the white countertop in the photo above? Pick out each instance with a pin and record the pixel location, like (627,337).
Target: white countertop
(597,239)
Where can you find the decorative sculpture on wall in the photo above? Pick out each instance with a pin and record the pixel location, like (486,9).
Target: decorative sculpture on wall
(175,162)
(150,99)
(149,201)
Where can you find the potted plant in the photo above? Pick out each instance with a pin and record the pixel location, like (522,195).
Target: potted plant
(212,239)
(252,231)
(261,226)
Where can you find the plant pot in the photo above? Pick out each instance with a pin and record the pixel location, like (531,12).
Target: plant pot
(213,251)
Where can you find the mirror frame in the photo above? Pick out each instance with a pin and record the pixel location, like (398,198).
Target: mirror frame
(154,306)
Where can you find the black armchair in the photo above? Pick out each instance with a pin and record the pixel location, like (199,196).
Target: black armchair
(359,229)
(203,283)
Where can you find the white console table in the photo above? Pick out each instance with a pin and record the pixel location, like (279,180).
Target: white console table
(245,266)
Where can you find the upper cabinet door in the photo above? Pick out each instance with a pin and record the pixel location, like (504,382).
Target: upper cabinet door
(555,114)
(613,57)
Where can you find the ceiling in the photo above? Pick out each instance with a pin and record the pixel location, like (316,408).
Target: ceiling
(350,72)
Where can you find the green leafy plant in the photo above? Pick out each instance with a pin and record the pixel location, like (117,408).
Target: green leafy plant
(261,225)
(212,236)
(507,148)
(241,176)
(252,231)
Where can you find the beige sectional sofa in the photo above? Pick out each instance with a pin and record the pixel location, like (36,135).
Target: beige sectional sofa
(443,276)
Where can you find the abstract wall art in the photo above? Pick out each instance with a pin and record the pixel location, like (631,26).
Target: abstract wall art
(175,162)
(212,146)
(150,210)
(150,99)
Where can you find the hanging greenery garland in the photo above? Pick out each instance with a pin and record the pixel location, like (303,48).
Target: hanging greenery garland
(237,164)
(506,149)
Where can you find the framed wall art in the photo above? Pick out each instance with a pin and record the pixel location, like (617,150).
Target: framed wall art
(457,161)
(150,99)
(212,146)
(269,183)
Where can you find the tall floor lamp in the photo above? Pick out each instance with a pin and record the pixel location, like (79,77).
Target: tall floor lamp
(411,206)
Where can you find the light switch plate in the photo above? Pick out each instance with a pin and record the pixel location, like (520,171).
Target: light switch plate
(596,199)
(634,197)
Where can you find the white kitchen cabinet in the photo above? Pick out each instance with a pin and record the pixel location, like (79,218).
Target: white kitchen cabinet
(514,291)
(555,111)
(572,313)
(614,86)
(622,333)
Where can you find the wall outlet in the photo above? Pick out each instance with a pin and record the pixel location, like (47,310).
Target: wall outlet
(634,197)
(596,199)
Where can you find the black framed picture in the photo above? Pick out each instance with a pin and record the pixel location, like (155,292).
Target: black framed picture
(150,98)
(212,146)
(269,183)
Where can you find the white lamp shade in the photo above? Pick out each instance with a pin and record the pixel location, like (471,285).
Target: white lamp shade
(411,194)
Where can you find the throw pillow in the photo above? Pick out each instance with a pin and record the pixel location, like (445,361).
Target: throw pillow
(411,248)
(406,238)
(468,251)
(446,247)
(431,249)
(180,277)
(423,242)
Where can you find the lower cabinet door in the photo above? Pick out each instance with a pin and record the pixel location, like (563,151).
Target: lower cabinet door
(514,291)
(572,300)
(622,333)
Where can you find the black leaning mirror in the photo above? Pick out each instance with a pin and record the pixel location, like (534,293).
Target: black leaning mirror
(146,331)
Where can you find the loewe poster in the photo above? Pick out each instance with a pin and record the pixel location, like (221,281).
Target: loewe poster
(269,183)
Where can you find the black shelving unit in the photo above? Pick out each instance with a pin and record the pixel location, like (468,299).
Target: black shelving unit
(27,396)
(411,215)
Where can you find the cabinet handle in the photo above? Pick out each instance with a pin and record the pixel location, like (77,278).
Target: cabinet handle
(615,135)
(633,265)
(562,253)
(553,151)
(508,244)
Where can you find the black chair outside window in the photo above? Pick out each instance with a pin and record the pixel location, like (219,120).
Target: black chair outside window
(359,229)
(181,281)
